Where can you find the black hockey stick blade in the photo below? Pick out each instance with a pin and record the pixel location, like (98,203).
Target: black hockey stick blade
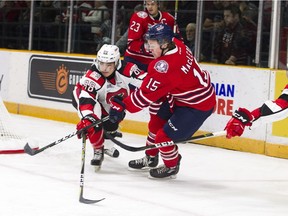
(163,144)
(29,150)
(88,201)
(81,198)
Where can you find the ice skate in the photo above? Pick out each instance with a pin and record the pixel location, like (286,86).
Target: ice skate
(144,163)
(112,152)
(112,134)
(165,172)
(98,158)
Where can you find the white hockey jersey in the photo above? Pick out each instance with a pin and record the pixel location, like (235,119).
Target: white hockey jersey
(94,91)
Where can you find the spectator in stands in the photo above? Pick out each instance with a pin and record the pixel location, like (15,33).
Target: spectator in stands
(46,12)
(190,42)
(190,36)
(232,41)
(119,28)
(97,14)
(9,14)
(46,19)
(2,4)
(24,25)
(122,41)
(249,19)
(25,12)
(80,9)
(212,22)
(249,11)
(213,15)
(186,13)
(96,24)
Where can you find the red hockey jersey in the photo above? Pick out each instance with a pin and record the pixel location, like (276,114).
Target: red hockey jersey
(178,75)
(140,22)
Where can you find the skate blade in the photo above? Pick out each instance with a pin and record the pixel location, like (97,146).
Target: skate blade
(97,168)
(165,178)
(144,169)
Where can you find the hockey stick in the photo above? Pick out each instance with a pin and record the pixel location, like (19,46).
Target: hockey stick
(81,198)
(163,144)
(32,152)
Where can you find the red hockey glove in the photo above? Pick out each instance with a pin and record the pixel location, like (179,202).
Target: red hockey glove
(236,125)
(86,121)
(117,110)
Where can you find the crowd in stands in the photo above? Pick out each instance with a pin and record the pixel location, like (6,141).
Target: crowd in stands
(228,34)
(92,24)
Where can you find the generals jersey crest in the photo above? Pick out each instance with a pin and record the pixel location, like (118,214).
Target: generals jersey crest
(95,75)
(142,14)
(161,66)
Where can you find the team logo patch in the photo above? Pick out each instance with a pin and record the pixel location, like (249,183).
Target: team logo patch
(142,14)
(95,75)
(159,28)
(161,66)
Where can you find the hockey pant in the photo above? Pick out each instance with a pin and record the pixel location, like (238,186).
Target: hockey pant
(167,126)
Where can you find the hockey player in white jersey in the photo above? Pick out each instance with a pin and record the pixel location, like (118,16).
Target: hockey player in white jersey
(270,111)
(108,76)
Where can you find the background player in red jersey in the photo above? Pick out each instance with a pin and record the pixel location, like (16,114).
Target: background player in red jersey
(137,51)
(180,97)
(108,76)
(270,111)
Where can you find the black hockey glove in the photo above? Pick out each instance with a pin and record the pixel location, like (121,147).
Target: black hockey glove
(117,110)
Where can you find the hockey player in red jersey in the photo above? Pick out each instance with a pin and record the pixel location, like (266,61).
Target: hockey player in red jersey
(270,111)
(179,95)
(108,76)
(137,50)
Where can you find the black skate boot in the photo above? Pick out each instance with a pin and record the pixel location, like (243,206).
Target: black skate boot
(98,158)
(112,152)
(144,163)
(165,172)
(108,134)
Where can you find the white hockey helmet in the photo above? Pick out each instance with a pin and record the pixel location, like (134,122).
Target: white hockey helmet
(107,54)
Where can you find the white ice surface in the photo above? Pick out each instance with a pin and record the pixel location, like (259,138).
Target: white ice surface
(211,181)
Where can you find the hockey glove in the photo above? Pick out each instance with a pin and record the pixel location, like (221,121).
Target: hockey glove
(236,125)
(86,121)
(117,110)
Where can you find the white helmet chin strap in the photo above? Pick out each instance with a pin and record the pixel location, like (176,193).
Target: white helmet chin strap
(118,65)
